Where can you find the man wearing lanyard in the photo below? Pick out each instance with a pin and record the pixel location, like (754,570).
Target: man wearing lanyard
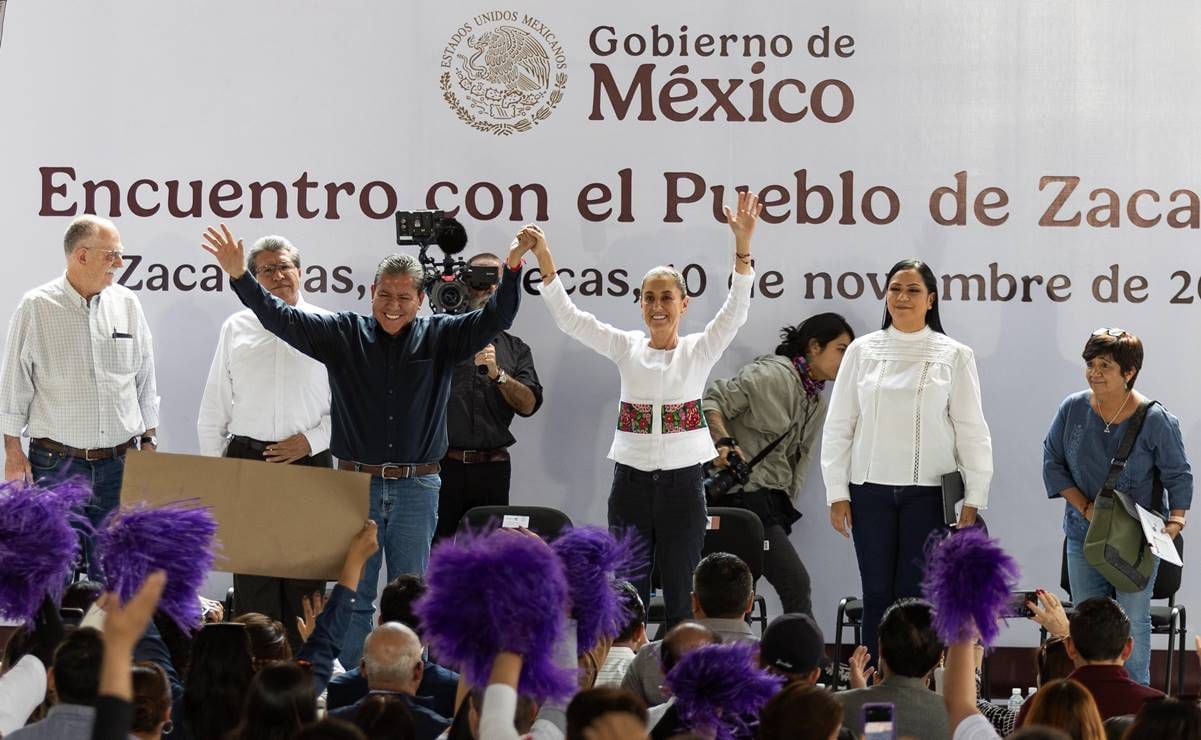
(485,394)
(389,375)
(78,375)
(266,401)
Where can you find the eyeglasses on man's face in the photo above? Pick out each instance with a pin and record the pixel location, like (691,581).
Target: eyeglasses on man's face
(109,255)
(271,270)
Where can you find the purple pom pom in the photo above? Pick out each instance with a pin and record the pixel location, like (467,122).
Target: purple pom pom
(969,580)
(488,592)
(592,558)
(719,688)
(176,538)
(39,542)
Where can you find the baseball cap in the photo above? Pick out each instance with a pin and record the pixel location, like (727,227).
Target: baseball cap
(793,643)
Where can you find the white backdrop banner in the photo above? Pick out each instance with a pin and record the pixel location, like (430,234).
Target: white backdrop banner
(1043,157)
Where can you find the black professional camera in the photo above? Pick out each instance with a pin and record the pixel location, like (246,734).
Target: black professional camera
(447,282)
(719,481)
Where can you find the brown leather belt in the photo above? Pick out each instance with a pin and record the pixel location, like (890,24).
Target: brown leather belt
(389,471)
(96,453)
(472,457)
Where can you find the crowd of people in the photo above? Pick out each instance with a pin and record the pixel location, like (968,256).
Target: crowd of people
(424,405)
(117,672)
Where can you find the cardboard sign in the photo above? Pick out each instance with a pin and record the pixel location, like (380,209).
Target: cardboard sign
(287,521)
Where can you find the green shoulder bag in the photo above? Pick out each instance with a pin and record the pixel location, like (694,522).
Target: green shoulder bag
(1115,545)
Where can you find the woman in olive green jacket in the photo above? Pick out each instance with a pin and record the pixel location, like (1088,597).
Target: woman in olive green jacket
(778,396)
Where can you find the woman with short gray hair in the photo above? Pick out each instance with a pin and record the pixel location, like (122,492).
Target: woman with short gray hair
(661,439)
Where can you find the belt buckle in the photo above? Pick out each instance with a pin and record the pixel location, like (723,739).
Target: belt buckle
(87,456)
(402,471)
(469,457)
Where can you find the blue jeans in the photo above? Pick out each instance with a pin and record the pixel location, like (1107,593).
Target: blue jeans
(406,512)
(890,526)
(1086,583)
(104,476)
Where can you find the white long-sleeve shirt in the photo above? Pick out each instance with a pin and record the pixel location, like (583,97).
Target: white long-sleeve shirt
(905,410)
(80,372)
(22,689)
(259,387)
(500,701)
(660,424)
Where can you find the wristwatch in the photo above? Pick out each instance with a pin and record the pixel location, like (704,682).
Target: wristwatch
(502,378)
(148,439)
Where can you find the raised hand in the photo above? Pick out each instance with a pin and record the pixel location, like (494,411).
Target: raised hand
(861,675)
(312,606)
(362,546)
(123,627)
(534,233)
(742,221)
(1049,613)
(230,253)
(125,623)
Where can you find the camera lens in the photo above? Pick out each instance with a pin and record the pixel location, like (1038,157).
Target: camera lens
(449,297)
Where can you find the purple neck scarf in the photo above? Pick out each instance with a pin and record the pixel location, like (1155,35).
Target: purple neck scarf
(812,387)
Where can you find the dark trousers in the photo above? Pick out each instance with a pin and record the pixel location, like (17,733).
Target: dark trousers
(666,508)
(104,477)
(890,525)
(783,569)
(465,487)
(278,598)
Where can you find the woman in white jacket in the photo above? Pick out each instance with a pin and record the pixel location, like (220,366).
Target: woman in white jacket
(661,438)
(905,410)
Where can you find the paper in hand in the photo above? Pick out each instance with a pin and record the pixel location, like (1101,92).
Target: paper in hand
(1161,543)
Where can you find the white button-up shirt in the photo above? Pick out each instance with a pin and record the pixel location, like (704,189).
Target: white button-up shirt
(76,371)
(259,387)
(660,389)
(906,410)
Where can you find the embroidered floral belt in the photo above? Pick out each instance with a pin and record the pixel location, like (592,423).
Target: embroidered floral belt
(637,418)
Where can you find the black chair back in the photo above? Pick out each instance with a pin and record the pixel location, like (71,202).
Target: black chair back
(1167,580)
(543,521)
(738,532)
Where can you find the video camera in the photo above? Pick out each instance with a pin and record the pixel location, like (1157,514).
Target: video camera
(447,282)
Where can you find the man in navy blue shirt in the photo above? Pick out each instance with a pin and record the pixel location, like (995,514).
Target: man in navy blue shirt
(389,377)
(439,685)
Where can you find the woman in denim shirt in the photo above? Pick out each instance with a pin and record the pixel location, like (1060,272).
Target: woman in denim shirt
(1083,439)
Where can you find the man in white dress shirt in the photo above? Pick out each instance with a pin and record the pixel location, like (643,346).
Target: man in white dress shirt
(78,375)
(267,401)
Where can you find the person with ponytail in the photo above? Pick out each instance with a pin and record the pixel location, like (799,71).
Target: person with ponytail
(151,702)
(904,412)
(778,397)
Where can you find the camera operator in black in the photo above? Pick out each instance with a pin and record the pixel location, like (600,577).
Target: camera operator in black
(485,393)
(778,396)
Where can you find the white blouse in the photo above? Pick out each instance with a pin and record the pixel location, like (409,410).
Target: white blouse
(905,410)
(660,425)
